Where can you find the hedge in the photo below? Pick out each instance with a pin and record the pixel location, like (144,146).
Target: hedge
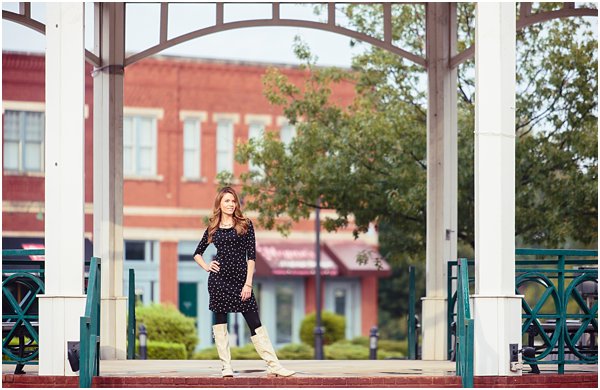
(160,350)
(165,323)
(334,324)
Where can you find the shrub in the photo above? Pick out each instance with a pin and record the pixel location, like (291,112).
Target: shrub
(247,352)
(161,350)
(206,354)
(165,323)
(346,351)
(296,352)
(334,324)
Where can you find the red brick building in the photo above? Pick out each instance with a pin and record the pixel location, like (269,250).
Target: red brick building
(182,120)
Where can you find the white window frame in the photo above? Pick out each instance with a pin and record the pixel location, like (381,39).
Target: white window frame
(192,152)
(22,139)
(283,123)
(225,129)
(136,140)
(256,130)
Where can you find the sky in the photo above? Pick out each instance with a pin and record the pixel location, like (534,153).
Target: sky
(258,44)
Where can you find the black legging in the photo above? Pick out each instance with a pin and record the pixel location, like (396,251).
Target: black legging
(251,319)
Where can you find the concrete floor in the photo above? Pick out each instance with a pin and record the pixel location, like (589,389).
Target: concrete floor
(306,368)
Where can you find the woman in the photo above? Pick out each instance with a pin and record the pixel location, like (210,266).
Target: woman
(230,279)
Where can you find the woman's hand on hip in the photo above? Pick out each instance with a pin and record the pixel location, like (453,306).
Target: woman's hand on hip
(246,292)
(214,266)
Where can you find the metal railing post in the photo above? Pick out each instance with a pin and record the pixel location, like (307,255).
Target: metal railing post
(131,328)
(412,337)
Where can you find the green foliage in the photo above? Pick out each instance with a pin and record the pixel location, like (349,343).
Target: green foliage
(333,324)
(358,349)
(246,352)
(206,354)
(165,323)
(296,352)
(160,350)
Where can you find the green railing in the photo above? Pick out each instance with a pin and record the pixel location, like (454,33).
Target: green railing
(89,328)
(131,317)
(412,326)
(559,308)
(22,281)
(464,327)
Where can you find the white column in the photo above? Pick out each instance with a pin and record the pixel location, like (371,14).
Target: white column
(441,175)
(109,26)
(497,310)
(63,302)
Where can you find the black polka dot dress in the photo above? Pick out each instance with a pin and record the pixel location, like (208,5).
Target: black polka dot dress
(225,286)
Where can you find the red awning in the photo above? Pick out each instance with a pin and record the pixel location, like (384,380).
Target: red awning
(291,258)
(345,254)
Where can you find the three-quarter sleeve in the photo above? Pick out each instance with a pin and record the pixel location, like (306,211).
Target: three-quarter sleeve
(250,242)
(202,245)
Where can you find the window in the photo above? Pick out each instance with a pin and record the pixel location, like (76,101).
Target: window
(340,301)
(224,146)
(186,249)
(139,146)
(255,132)
(191,148)
(23,141)
(284,299)
(140,250)
(287,134)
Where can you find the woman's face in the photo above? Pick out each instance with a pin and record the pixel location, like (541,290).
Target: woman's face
(228,204)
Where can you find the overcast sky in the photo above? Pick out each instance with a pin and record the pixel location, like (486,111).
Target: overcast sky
(263,44)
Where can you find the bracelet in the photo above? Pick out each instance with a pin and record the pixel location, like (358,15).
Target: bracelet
(249,285)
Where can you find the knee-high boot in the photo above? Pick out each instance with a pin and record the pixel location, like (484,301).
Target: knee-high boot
(222,343)
(263,346)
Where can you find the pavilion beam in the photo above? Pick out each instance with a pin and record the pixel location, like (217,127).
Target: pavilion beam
(496,308)
(109,41)
(63,302)
(442,187)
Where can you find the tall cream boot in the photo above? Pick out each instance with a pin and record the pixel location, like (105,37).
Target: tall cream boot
(222,343)
(263,346)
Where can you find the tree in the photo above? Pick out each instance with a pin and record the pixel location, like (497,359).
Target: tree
(367,161)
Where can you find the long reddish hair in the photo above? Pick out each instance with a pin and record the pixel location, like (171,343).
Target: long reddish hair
(240,223)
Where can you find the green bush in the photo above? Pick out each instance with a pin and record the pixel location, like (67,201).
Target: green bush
(206,354)
(334,324)
(356,349)
(346,351)
(394,347)
(165,323)
(160,350)
(391,348)
(247,352)
(296,352)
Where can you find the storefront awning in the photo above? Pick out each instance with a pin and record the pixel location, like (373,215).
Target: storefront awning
(291,258)
(345,254)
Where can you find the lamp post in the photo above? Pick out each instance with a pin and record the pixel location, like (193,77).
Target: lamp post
(143,339)
(318,329)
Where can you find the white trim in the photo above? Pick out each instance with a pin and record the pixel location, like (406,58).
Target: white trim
(157,112)
(191,114)
(33,106)
(23,106)
(230,116)
(281,121)
(263,119)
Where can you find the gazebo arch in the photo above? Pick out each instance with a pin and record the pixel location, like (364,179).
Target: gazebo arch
(65,43)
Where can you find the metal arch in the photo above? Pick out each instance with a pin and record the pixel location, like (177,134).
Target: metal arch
(270,22)
(24,18)
(275,20)
(527,19)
